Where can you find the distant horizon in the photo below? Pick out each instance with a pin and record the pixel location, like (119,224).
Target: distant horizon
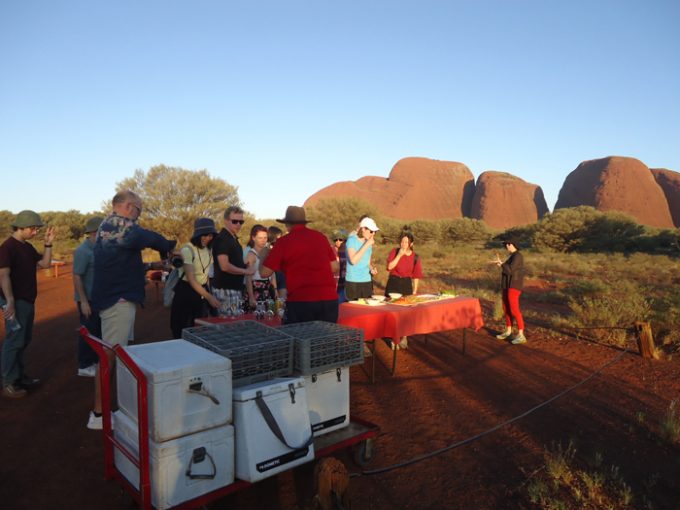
(282,99)
(282,212)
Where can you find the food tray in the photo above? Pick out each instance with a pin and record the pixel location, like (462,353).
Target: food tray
(257,352)
(321,346)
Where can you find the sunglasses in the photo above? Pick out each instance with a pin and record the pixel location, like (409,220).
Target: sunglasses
(371,231)
(338,239)
(237,222)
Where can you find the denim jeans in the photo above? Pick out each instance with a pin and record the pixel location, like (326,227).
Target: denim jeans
(16,342)
(86,355)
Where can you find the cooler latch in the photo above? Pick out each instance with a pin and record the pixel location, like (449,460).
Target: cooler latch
(291,390)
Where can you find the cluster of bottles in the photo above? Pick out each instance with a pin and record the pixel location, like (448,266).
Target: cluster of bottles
(269,309)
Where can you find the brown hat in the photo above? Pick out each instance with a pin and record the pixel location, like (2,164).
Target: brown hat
(294,214)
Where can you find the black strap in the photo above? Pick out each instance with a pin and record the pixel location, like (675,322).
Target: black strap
(273,426)
(199,455)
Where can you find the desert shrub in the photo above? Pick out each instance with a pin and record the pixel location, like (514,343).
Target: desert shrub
(567,482)
(333,213)
(616,305)
(524,235)
(564,229)
(466,230)
(670,424)
(610,231)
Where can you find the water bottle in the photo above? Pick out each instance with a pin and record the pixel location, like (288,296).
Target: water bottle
(11,324)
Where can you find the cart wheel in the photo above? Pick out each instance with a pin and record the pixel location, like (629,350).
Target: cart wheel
(363,453)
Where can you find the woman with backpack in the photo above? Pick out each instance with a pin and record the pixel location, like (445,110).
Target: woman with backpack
(405,270)
(192,291)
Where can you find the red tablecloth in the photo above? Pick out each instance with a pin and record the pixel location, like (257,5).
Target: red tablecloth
(395,321)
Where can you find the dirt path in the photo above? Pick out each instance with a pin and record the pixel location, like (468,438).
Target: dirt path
(438,397)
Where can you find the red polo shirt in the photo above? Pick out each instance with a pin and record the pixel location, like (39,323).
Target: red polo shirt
(305,256)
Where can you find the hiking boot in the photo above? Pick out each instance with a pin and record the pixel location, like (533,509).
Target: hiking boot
(504,336)
(13,391)
(87,371)
(519,339)
(28,383)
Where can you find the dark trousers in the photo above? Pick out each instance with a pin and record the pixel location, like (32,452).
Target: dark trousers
(16,342)
(93,323)
(306,311)
(187,306)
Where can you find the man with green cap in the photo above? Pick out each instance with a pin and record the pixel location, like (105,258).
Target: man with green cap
(18,290)
(83,280)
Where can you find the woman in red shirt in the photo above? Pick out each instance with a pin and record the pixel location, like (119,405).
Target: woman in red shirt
(405,270)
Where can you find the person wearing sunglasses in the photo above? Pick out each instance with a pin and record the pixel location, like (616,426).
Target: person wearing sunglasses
(360,270)
(230,268)
(338,238)
(18,291)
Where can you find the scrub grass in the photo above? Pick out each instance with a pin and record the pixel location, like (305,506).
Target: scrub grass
(566,483)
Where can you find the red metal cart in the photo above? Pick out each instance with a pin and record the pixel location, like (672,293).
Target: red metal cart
(359,432)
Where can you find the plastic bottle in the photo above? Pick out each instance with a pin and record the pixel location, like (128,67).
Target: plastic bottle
(11,324)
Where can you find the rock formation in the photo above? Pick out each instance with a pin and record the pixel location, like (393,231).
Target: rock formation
(417,188)
(670,184)
(617,184)
(502,201)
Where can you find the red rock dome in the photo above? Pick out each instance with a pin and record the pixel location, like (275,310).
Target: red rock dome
(670,184)
(502,201)
(417,188)
(617,184)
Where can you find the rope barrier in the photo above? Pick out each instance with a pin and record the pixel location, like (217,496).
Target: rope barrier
(492,429)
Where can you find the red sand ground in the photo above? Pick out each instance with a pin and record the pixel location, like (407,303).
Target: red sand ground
(438,397)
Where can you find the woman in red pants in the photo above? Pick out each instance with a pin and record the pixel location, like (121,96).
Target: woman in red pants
(512,282)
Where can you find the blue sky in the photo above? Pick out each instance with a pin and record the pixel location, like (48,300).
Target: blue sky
(282,98)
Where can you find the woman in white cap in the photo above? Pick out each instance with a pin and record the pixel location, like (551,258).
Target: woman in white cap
(191,291)
(360,270)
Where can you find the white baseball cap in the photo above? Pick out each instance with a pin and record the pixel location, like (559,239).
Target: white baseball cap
(369,224)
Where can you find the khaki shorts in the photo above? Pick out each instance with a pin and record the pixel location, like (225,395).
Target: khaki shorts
(118,323)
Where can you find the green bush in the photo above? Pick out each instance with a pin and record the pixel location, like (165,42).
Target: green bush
(616,305)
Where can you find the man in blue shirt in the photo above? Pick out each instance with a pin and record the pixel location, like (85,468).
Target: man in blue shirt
(83,279)
(119,276)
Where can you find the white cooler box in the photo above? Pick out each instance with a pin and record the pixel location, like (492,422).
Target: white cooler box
(259,452)
(189,388)
(181,469)
(328,400)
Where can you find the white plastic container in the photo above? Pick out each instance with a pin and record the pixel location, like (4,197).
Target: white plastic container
(328,400)
(259,453)
(180,469)
(189,388)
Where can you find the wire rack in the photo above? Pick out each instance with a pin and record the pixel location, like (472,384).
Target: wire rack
(321,346)
(257,352)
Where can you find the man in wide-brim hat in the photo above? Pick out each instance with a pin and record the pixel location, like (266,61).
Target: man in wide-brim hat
(308,261)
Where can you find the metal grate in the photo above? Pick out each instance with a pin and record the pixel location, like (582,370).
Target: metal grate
(257,352)
(321,346)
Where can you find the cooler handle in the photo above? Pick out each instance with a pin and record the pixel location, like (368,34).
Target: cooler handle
(199,456)
(273,426)
(198,388)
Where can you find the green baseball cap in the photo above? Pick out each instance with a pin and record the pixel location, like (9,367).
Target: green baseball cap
(27,219)
(92,224)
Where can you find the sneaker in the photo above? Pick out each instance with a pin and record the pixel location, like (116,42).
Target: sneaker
(88,371)
(28,383)
(13,391)
(404,342)
(95,422)
(519,339)
(504,336)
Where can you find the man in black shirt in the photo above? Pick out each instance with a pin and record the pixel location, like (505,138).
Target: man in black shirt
(229,267)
